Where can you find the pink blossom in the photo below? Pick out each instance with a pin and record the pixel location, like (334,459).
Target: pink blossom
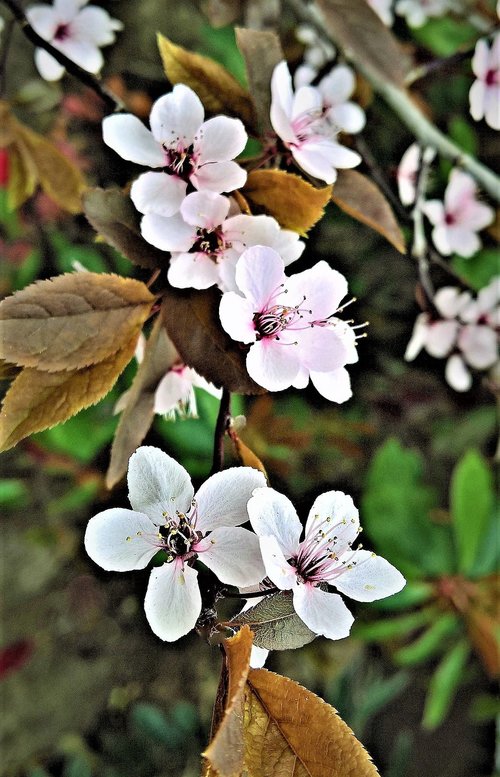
(324,559)
(299,120)
(407,174)
(484,95)
(77,32)
(184,149)
(206,241)
(290,324)
(417,12)
(166,515)
(457,220)
(335,89)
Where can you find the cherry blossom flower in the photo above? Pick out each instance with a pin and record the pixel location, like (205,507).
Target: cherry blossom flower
(182,147)
(76,31)
(167,516)
(335,89)
(290,324)
(206,243)
(417,12)
(457,220)
(323,559)
(300,121)
(407,174)
(383,9)
(484,95)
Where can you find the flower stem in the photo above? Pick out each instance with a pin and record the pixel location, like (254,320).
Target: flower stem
(221,426)
(111,101)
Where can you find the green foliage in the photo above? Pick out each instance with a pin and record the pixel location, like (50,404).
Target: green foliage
(472,501)
(444,36)
(444,684)
(169,729)
(430,643)
(464,134)
(67,254)
(220,44)
(395,627)
(13,493)
(480,269)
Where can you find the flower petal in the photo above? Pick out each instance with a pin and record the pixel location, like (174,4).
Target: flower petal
(272,513)
(220,139)
(44,20)
(48,67)
(205,209)
(173,600)
(96,25)
(233,555)
(341,516)
(323,612)
(338,85)
(441,336)
(259,274)
(279,571)
(193,271)
(176,117)
(418,338)
(348,117)
(158,193)
(121,540)
(334,385)
(323,287)
(479,345)
(321,349)
(128,136)
(158,484)
(272,365)
(367,577)
(218,176)
(236,316)
(173,388)
(282,101)
(167,233)
(456,373)
(222,499)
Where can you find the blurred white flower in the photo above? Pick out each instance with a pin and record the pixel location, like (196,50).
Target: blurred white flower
(417,12)
(484,95)
(335,88)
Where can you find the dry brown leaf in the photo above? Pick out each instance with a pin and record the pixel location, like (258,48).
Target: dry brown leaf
(356,28)
(291,732)
(246,456)
(138,414)
(22,180)
(293,202)
(358,196)
(218,90)
(72,320)
(38,400)
(261,51)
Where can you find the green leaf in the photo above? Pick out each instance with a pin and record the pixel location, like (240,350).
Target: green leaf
(463,134)
(444,36)
(480,269)
(77,766)
(395,627)
(444,684)
(170,730)
(13,493)
(430,642)
(413,594)
(472,502)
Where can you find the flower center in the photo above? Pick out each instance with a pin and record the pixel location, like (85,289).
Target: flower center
(492,77)
(449,219)
(62,32)
(179,160)
(209,241)
(178,534)
(323,555)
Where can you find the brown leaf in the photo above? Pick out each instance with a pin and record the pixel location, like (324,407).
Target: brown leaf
(38,400)
(288,725)
(72,320)
(358,196)
(218,90)
(138,414)
(22,178)
(113,216)
(191,319)
(356,28)
(261,51)
(246,456)
(293,202)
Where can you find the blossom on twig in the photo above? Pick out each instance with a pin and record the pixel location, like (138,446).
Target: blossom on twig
(484,94)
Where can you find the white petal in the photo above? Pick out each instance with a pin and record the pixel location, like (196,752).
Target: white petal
(463,241)
(193,271)
(441,239)
(282,574)
(258,657)
(272,365)
(173,600)
(128,136)
(176,117)
(323,612)
(172,389)
(243,231)
(222,499)
(343,518)
(477,99)
(450,301)
(407,174)
(83,52)
(205,209)
(321,349)
(434,210)
(96,25)
(338,85)
(121,540)
(479,346)
(335,385)
(306,100)
(220,139)
(323,287)
(259,274)
(158,484)
(492,106)
(233,555)
(282,101)
(167,233)
(272,513)
(418,338)
(441,337)
(480,60)
(288,245)
(456,373)
(158,193)
(236,316)
(367,577)
(44,20)
(48,67)
(349,117)
(218,176)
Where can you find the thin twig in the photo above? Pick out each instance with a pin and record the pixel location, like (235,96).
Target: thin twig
(6,40)
(419,247)
(223,420)
(378,176)
(112,101)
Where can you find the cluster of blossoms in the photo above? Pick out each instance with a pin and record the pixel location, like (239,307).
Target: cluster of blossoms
(167,516)
(484,95)
(465,330)
(78,32)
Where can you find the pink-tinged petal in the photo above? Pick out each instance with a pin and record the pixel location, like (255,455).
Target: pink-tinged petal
(323,287)
(282,102)
(341,516)
(477,99)
(456,373)
(450,301)
(176,117)
(492,107)
(83,52)
(418,338)
(480,60)
(279,571)
(272,514)
(441,239)
(128,136)
(172,389)
(304,75)
(321,349)
(236,316)
(233,555)
(173,600)
(95,24)
(334,386)
(158,193)
(219,176)
(67,9)
(479,346)
(260,274)
(441,337)
(288,245)
(167,233)
(461,191)
(273,366)
(321,159)
(338,85)
(220,139)
(407,174)
(434,210)
(489,297)
(222,499)
(302,379)
(120,540)
(307,100)
(463,241)
(48,67)
(477,215)
(243,231)
(367,577)
(348,117)
(323,612)
(205,209)
(158,486)
(44,20)
(193,271)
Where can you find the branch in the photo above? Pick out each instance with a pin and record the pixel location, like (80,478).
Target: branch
(220,430)
(111,101)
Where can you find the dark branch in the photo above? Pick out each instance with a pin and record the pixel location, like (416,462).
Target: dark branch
(220,430)
(112,102)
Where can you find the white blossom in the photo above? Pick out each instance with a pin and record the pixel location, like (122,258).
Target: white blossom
(484,95)
(417,12)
